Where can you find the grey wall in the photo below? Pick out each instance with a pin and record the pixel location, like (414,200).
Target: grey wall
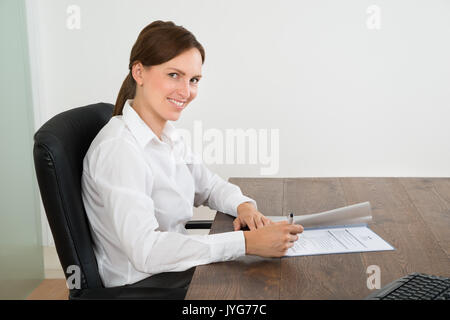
(21,261)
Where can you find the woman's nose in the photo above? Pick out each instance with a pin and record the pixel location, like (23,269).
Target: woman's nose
(184,90)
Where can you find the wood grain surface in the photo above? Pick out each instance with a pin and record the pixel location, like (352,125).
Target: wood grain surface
(412,214)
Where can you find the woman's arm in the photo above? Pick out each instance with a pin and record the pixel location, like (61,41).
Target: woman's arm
(218,194)
(211,190)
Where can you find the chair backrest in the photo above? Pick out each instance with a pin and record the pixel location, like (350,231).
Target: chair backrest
(59,148)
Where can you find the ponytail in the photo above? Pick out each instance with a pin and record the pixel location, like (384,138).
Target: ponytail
(127,91)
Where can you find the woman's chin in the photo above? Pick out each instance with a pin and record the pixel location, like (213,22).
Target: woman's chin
(173,116)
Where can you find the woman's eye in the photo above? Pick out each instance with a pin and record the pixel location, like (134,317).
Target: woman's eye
(175,75)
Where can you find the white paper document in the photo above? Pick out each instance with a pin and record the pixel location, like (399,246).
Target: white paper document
(342,230)
(337,239)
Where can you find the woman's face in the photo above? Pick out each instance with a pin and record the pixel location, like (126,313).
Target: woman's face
(168,88)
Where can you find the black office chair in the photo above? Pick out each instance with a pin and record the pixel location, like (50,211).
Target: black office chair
(59,148)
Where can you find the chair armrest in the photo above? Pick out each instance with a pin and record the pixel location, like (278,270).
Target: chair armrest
(199,224)
(127,293)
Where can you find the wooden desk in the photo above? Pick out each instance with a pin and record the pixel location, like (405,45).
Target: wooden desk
(412,214)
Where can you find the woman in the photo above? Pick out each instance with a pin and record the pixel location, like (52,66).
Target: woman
(140,180)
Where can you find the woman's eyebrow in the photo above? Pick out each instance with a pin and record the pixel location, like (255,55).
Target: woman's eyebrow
(182,73)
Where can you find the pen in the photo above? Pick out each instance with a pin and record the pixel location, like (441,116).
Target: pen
(291,218)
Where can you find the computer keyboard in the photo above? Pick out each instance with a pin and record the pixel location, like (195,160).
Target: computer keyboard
(416,286)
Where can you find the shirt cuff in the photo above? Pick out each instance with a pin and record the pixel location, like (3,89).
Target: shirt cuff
(227,246)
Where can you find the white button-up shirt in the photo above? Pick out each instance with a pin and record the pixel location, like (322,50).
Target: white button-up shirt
(139,193)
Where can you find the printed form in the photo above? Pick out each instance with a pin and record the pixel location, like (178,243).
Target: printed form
(337,239)
(341,230)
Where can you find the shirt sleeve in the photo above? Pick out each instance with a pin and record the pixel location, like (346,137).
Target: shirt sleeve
(124,182)
(213,191)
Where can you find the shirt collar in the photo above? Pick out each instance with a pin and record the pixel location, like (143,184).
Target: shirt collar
(141,131)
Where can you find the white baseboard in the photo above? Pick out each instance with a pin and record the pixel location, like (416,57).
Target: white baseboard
(52,266)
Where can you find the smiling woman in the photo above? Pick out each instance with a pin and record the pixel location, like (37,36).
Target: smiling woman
(140,179)
(161,93)
(165,66)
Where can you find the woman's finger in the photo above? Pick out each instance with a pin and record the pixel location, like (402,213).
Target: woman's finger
(251,224)
(259,222)
(237,224)
(267,221)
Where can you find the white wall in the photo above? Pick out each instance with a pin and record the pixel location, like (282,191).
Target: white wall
(348,100)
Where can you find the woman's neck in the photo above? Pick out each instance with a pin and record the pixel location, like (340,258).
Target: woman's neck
(153,121)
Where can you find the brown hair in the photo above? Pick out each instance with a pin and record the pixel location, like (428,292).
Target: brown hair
(157,43)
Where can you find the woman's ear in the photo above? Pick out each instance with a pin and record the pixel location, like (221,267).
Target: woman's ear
(137,71)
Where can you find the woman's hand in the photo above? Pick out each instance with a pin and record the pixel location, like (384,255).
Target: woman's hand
(249,217)
(272,240)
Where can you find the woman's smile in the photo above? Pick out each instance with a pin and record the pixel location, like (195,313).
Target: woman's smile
(177,103)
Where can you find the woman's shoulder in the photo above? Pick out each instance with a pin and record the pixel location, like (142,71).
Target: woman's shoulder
(115,132)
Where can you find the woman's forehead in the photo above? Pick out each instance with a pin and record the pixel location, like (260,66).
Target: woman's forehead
(188,62)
